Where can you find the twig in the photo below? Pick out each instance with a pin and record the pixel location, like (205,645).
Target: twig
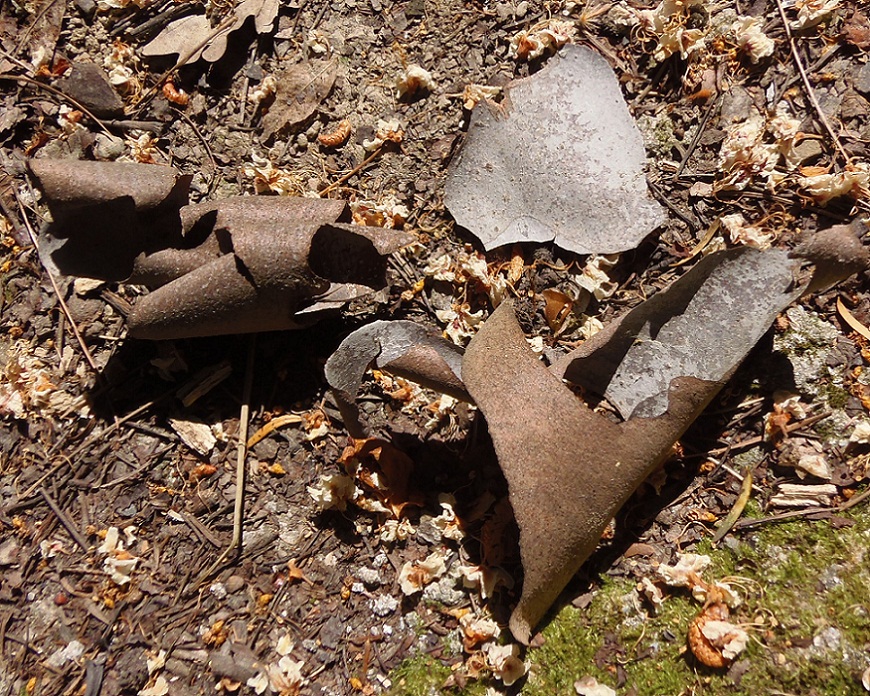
(791,514)
(356,170)
(56,92)
(189,122)
(751,442)
(697,137)
(65,521)
(127,124)
(57,292)
(235,547)
(811,95)
(854,500)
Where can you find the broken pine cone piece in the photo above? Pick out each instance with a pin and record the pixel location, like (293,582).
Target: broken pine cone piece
(235,265)
(660,364)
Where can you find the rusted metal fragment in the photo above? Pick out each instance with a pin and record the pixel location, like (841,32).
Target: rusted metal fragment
(560,159)
(568,469)
(399,347)
(235,265)
(702,326)
(265,261)
(104,214)
(706,322)
(238,225)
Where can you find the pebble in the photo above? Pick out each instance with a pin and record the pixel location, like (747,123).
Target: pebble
(862,79)
(234,583)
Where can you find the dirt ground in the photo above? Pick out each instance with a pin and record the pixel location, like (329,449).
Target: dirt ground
(115,517)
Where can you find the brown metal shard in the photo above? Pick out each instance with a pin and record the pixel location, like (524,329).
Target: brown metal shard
(547,441)
(262,264)
(106,213)
(400,347)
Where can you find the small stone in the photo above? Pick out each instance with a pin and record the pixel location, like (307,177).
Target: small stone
(88,85)
(862,79)
(234,583)
(415,8)
(383,605)
(108,147)
(808,149)
(369,576)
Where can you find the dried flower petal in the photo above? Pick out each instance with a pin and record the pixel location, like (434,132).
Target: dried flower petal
(415,575)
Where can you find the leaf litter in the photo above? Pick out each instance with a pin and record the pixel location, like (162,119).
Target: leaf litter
(470,297)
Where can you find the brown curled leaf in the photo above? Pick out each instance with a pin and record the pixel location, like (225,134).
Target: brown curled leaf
(336,137)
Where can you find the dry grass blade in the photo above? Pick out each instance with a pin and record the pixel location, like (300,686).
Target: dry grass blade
(737,510)
(850,319)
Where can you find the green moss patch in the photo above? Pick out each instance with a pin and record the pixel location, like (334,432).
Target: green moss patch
(805,587)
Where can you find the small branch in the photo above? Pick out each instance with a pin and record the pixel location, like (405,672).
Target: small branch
(65,521)
(811,95)
(368,160)
(235,548)
(63,305)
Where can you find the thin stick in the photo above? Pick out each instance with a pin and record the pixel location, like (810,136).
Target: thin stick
(235,547)
(811,95)
(358,168)
(64,520)
(854,500)
(751,442)
(88,441)
(57,292)
(242,446)
(56,92)
(714,105)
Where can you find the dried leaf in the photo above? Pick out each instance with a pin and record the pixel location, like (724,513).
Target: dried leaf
(187,35)
(736,509)
(557,308)
(195,434)
(301,89)
(561,159)
(856,31)
(44,31)
(850,319)
(180,37)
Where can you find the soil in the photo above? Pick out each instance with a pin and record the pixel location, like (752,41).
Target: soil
(99,437)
